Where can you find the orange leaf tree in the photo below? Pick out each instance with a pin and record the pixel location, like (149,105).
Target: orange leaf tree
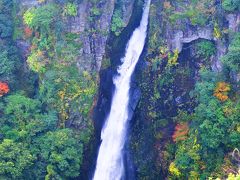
(4,88)
(221,91)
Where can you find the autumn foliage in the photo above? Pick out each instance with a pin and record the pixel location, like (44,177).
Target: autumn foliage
(180,133)
(28,32)
(221,91)
(4,89)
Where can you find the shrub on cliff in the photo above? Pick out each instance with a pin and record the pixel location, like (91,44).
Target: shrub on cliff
(70,9)
(117,23)
(41,17)
(205,49)
(231,5)
(231,59)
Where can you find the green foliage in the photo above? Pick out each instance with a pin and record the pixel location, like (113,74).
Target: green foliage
(68,49)
(29,15)
(65,89)
(210,114)
(213,132)
(231,5)
(53,56)
(172,58)
(34,140)
(70,9)
(231,59)
(61,152)
(174,170)
(95,11)
(205,49)
(57,154)
(34,143)
(156,41)
(188,155)
(183,117)
(42,17)
(106,63)
(20,107)
(195,17)
(216,31)
(36,62)
(117,23)
(9,61)
(232,176)
(6,65)
(14,159)
(195,12)
(24,119)
(6,24)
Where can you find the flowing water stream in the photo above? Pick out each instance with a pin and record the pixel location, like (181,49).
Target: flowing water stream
(110,165)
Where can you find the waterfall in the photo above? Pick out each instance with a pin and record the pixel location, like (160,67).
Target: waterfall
(110,164)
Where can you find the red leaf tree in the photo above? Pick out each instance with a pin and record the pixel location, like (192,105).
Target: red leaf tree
(4,88)
(28,32)
(180,133)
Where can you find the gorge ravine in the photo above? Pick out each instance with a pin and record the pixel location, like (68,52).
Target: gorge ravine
(110,158)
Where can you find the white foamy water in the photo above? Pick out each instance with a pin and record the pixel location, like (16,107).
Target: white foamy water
(110,165)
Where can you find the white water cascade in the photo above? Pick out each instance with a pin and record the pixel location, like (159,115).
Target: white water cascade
(110,165)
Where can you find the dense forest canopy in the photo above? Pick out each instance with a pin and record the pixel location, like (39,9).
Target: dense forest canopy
(187,121)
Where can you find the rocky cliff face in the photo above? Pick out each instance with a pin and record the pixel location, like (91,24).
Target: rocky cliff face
(93,30)
(28,3)
(93,35)
(173,28)
(183,30)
